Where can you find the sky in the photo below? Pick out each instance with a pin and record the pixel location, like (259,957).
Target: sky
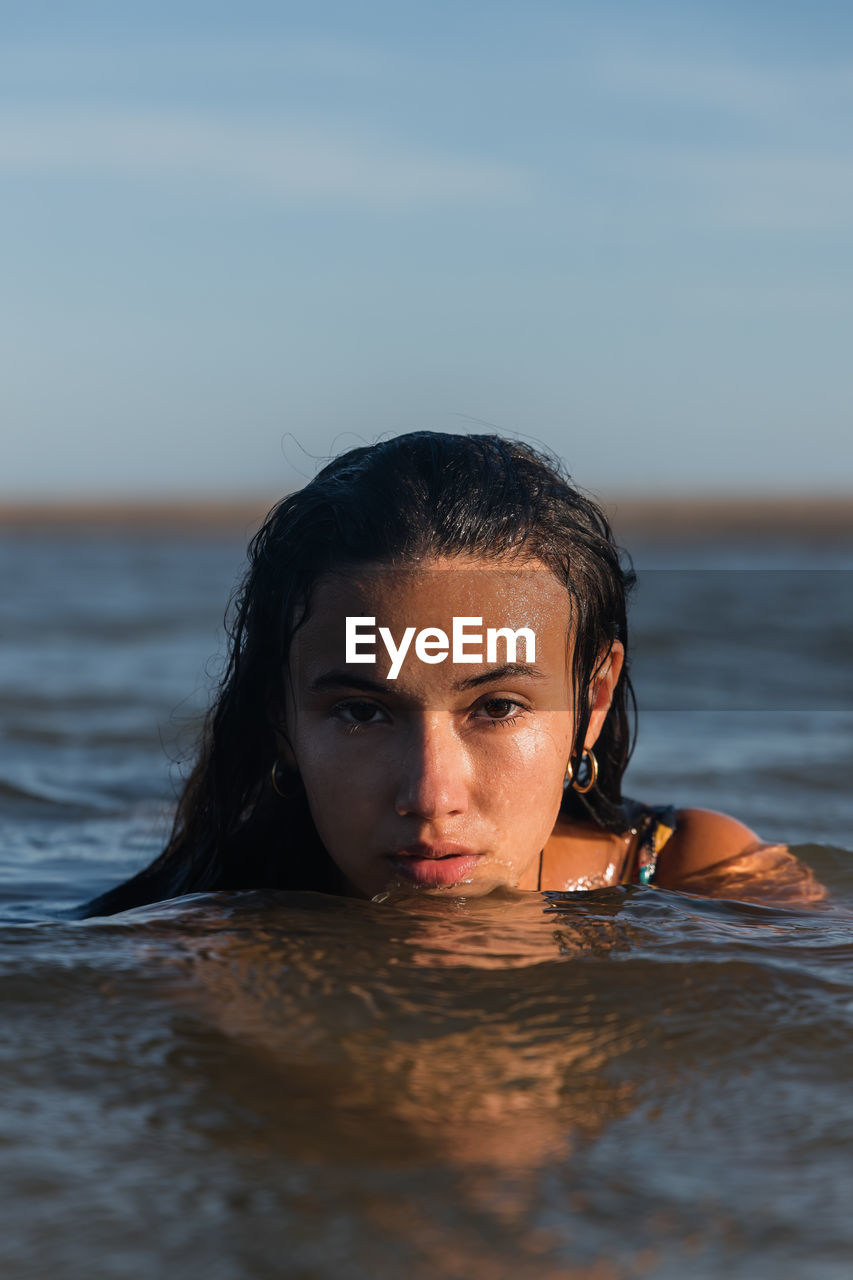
(240,238)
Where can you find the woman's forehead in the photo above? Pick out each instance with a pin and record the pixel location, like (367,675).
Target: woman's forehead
(432,592)
(428,630)
(477,616)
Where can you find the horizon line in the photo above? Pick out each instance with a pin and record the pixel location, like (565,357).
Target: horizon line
(777,513)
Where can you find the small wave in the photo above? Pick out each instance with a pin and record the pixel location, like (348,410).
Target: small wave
(52,797)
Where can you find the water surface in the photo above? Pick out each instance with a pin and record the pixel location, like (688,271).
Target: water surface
(623,1083)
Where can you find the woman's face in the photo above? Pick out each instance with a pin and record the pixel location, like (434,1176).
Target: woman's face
(433,773)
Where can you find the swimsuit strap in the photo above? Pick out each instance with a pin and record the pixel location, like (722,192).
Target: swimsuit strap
(653,824)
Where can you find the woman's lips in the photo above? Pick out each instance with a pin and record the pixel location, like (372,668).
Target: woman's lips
(434,865)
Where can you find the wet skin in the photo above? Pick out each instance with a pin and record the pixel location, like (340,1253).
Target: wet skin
(452,773)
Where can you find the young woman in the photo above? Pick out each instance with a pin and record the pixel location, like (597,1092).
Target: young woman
(428,688)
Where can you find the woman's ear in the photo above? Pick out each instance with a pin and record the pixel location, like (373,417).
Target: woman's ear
(601,690)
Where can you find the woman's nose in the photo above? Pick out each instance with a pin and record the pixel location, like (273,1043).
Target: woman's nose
(433,772)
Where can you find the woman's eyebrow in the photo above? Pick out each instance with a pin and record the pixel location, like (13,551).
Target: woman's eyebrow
(342,679)
(506,672)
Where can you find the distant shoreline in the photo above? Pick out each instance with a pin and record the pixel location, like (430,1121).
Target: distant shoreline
(143,515)
(666,519)
(768,518)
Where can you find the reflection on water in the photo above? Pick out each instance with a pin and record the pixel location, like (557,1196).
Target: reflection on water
(473,1068)
(630,1082)
(611,1084)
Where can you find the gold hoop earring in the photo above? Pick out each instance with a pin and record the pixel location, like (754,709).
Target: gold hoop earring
(583,787)
(275,778)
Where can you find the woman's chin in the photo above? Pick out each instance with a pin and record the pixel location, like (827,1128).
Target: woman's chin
(400,889)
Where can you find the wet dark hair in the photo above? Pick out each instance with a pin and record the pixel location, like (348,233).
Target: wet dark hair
(416,495)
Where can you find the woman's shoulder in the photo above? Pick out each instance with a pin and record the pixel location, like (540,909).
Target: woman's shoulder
(700,838)
(656,843)
(669,844)
(717,856)
(693,850)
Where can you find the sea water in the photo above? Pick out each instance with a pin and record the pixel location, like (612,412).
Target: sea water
(620,1083)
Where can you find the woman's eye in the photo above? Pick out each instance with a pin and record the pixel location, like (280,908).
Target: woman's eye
(502,710)
(357,713)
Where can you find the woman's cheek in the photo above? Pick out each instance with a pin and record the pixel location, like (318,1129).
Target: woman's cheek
(539,770)
(349,764)
(534,755)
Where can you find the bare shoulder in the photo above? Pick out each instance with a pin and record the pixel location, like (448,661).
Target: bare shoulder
(717,856)
(701,839)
